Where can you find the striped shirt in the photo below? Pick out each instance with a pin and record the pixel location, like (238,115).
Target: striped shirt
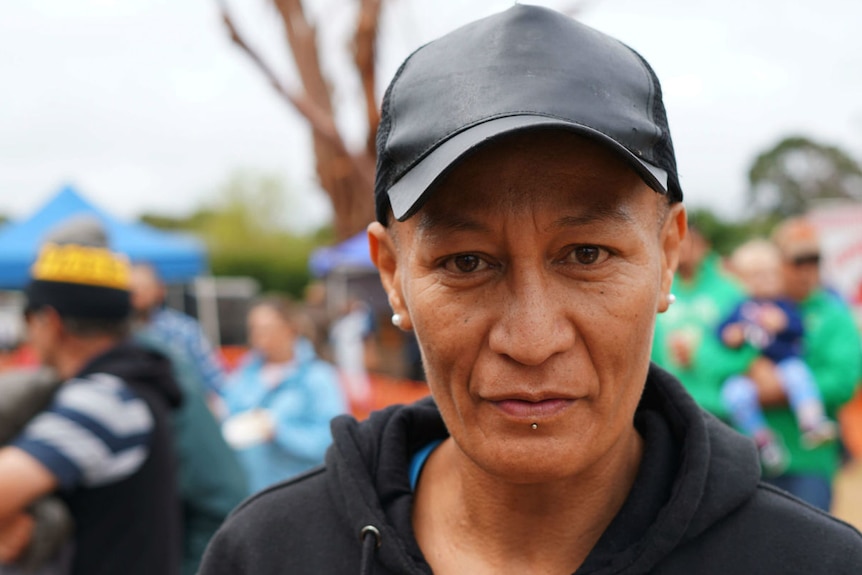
(97,431)
(183,334)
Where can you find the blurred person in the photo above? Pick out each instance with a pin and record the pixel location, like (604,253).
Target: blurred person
(831,349)
(771,324)
(316,308)
(211,481)
(40,539)
(281,398)
(686,341)
(173,328)
(103,444)
(350,336)
(529,238)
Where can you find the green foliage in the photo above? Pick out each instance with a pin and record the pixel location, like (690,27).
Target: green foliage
(798,173)
(248,208)
(278,265)
(243,231)
(726,235)
(194,223)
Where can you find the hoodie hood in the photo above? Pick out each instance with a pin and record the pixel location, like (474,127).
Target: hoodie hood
(138,366)
(705,471)
(717,470)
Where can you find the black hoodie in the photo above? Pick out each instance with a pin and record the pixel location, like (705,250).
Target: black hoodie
(133,526)
(697,506)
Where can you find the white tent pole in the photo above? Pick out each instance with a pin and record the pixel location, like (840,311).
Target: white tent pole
(206,294)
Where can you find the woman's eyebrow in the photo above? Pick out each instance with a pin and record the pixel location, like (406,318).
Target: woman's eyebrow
(447,222)
(604,214)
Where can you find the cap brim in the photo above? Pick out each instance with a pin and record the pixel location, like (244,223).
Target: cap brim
(408,193)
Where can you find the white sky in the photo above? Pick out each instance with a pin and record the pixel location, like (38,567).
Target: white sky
(145,105)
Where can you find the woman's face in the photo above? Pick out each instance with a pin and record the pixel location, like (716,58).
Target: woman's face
(801,277)
(270,334)
(532,278)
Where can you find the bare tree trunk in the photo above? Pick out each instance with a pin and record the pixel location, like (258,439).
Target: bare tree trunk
(364,54)
(346,177)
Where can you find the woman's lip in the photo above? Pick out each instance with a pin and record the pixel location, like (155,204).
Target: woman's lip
(533,409)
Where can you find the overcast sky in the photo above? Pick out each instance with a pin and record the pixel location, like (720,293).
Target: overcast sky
(145,105)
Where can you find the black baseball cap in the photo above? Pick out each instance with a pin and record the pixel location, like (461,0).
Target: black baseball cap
(527,68)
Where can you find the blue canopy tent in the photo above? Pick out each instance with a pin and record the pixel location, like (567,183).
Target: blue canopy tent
(349,273)
(177,258)
(351,254)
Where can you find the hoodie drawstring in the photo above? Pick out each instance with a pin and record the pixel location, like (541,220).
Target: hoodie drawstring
(370,537)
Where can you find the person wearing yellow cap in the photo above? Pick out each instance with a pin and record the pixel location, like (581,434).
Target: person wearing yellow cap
(103,444)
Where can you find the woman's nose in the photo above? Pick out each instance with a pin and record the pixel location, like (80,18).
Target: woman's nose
(533,325)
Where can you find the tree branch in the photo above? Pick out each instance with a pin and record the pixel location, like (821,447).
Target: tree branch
(347,178)
(576,8)
(364,49)
(302,39)
(321,122)
(321,119)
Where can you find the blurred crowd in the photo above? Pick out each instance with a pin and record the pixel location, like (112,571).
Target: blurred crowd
(127,438)
(762,344)
(130,444)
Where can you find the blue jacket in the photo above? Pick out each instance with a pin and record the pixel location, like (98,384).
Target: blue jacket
(301,405)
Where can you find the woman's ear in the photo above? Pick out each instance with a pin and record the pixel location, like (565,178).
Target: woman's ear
(51,317)
(385,257)
(673,232)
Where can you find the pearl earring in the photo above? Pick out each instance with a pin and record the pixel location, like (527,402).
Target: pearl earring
(670,299)
(397,320)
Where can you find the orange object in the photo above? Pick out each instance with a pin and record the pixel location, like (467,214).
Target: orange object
(231,356)
(20,357)
(850,418)
(386,391)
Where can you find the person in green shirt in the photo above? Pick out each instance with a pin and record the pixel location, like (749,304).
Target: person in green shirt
(686,341)
(210,478)
(833,352)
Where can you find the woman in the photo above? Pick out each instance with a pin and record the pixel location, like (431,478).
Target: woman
(529,223)
(281,398)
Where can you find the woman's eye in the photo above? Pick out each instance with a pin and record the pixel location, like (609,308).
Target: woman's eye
(587,255)
(464,263)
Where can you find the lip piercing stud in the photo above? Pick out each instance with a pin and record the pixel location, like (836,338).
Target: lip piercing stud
(535,426)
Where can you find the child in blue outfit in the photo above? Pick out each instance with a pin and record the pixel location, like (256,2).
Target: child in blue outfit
(773,325)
